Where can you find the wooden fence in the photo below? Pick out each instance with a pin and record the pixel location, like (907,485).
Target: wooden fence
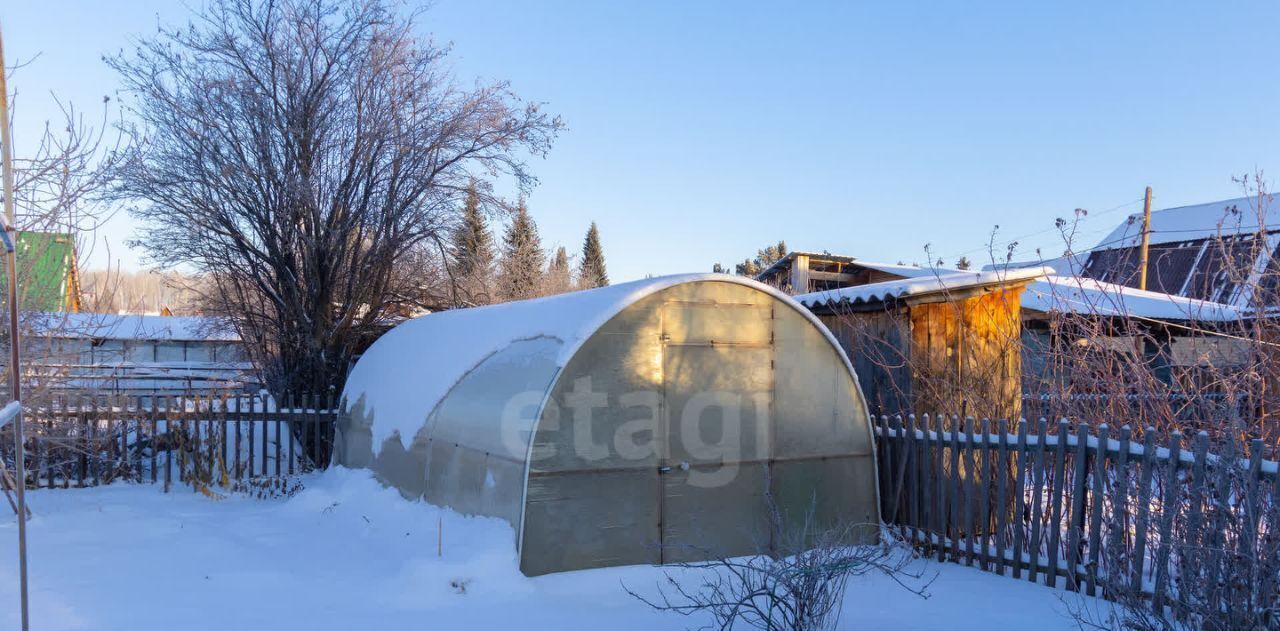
(1099,513)
(86,440)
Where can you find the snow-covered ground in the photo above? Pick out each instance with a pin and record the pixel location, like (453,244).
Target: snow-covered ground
(345,553)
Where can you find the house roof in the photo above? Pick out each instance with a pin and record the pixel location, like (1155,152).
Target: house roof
(908,271)
(791,256)
(1076,294)
(1191,223)
(918,287)
(134,327)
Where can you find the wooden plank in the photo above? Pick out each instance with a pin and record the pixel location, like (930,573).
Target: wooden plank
(238,419)
(262,405)
(1168,506)
(1253,506)
(293,420)
(913,491)
(1189,563)
(1002,496)
(169,438)
(252,399)
(83,425)
(1268,587)
(970,487)
(1227,467)
(1140,528)
(94,460)
(884,465)
(154,423)
(1037,494)
(920,468)
(1076,521)
(1055,502)
(927,500)
(940,476)
(211,438)
(1119,523)
(278,446)
(955,509)
(984,500)
(1096,501)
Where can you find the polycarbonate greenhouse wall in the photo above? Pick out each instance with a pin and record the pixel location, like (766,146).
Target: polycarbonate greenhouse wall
(637,423)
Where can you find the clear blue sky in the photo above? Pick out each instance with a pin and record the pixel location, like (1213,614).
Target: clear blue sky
(701,131)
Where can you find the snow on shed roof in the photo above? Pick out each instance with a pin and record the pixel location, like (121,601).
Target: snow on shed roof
(134,327)
(922,285)
(909,271)
(1075,294)
(1191,223)
(410,369)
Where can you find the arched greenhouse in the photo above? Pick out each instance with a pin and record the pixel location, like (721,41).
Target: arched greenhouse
(632,424)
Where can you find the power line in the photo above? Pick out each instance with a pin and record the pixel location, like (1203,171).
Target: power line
(1005,243)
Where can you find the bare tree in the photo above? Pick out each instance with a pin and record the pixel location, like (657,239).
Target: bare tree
(300,153)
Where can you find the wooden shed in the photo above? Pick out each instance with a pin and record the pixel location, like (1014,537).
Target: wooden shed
(945,343)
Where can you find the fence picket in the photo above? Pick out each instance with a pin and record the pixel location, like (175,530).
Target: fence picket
(1037,499)
(294,420)
(154,424)
(1096,501)
(1145,480)
(1056,500)
(252,422)
(1002,495)
(984,497)
(1195,516)
(940,476)
(884,463)
(1163,548)
(926,484)
(954,510)
(1118,559)
(909,450)
(1253,507)
(969,482)
(1076,521)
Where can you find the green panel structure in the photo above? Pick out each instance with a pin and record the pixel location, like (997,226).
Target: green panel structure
(48,280)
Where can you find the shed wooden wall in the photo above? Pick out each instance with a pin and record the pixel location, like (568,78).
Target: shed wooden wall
(957,357)
(967,355)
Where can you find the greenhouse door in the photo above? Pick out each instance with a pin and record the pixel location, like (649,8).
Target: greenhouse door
(712,474)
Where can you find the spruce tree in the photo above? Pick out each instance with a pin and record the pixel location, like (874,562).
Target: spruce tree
(520,273)
(592,273)
(472,253)
(559,277)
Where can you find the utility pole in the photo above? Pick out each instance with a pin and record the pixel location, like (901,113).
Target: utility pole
(11,269)
(1146,240)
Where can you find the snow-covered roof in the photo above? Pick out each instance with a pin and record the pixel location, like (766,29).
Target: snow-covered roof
(1067,265)
(447,345)
(1191,223)
(922,285)
(1075,294)
(134,327)
(909,271)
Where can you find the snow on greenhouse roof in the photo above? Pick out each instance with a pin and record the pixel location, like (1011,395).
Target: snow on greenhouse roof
(1192,223)
(411,368)
(919,286)
(1075,294)
(134,327)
